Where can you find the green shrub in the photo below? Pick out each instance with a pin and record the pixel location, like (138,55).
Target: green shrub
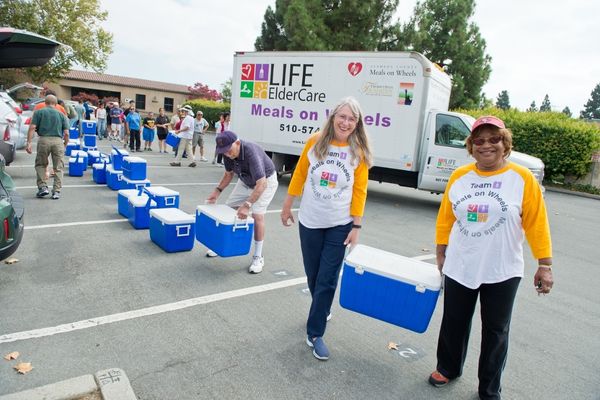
(210,109)
(565,145)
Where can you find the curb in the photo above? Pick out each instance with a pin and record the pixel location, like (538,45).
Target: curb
(572,192)
(112,384)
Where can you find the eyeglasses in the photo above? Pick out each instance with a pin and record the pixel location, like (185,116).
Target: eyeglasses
(492,140)
(346,118)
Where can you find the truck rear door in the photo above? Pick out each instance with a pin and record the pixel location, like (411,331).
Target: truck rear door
(444,143)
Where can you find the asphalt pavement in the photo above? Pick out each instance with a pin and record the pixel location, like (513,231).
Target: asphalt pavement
(90,292)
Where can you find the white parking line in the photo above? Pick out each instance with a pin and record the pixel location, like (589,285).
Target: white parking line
(93,185)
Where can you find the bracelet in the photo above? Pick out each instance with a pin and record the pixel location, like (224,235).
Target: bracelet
(544,266)
(356,226)
(219,189)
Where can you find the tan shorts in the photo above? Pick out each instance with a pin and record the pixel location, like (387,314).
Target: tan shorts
(241,192)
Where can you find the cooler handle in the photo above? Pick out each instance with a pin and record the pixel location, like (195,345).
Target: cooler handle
(420,288)
(180,228)
(148,203)
(119,177)
(242,225)
(169,200)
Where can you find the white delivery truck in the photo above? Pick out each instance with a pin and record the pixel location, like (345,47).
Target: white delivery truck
(280,98)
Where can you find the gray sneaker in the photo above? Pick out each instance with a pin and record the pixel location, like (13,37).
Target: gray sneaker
(55,195)
(42,192)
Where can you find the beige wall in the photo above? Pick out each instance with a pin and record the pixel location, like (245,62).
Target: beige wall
(154,98)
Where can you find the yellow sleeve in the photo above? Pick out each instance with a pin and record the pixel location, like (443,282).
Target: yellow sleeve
(301,171)
(445,218)
(535,219)
(359,190)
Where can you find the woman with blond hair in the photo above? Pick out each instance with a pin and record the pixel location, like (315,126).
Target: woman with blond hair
(331,175)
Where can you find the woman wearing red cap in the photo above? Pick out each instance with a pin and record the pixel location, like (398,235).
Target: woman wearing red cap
(487,211)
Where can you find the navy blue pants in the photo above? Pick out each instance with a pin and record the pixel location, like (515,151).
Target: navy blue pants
(497,301)
(323,253)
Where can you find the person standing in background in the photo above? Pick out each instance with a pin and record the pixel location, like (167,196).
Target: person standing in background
(148,131)
(221,126)
(101,121)
(162,129)
(185,133)
(114,113)
(200,127)
(132,127)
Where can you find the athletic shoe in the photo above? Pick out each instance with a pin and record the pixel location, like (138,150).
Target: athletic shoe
(320,350)
(42,192)
(55,195)
(437,379)
(193,164)
(203,159)
(258,262)
(175,164)
(211,254)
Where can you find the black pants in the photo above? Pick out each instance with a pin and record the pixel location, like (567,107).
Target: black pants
(134,139)
(497,301)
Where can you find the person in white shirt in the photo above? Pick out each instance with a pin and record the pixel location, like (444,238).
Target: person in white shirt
(185,133)
(200,126)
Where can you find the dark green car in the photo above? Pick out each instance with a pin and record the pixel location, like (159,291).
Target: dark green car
(18,49)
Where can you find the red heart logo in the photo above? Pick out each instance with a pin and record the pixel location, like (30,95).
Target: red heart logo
(354,68)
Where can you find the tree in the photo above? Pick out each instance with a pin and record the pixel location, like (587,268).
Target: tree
(328,25)
(591,109)
(546,106)
(226,91)
(200,91)
(502,101)
(532,107)
(440,29)
(75,23)
(567,112)
(484,102)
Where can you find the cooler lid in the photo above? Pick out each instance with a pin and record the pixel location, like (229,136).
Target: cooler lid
(81,153)
(110,169)
(140,201)
(73,142)
(134,159)
(128,192)
(119,152)
(140,181)
(172,216)
(395,266)
(222,214)
(98,165)
(161,191)
(94,153)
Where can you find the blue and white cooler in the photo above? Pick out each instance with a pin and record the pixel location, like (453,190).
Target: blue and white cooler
(116,156)
(173,140)
(123,197)
(114,179)
(71,146)
(73,133)
(389,287)
(88,149)
(134,183)
(139,211)
(93,157)
(99,173)
(172,229)
(163,196)
(88,127)
(77,163)
(89,140)
(219,229)
(134,168)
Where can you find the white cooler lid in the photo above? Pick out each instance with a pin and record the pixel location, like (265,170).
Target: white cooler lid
(139,201)
(222,214)
(119,152)
(129,192)
(98,165)
(134,159)
(94,153)
(395,266)
(80,152)
(161,191)
(172,216)
(73,142)
(136,181)
(110,169)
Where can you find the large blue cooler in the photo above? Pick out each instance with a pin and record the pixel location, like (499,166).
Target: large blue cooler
(172,140)
(74,133)
(163,196)
(219,229)
(71,146)
(123,197)
(389,287)
(99,173)
(82,154)
(139,211)
(93,157)
(88,127)
(116,156)
(77,165)
(134,183)
(89,140)
(114,179)
(172,229)
(134,168)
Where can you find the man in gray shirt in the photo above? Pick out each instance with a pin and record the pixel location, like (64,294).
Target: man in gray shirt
(254,189)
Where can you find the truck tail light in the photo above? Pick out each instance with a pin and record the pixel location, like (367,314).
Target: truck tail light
(7,134)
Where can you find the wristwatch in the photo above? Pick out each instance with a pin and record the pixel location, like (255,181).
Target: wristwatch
(248,204)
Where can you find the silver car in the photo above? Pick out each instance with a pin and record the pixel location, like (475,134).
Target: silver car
(8,130)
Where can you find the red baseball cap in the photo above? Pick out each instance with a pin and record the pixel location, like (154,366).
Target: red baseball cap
(488,120)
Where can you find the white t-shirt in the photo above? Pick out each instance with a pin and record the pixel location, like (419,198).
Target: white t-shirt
(188,122)
(200,125)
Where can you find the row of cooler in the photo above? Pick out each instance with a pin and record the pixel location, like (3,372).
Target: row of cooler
(382,285)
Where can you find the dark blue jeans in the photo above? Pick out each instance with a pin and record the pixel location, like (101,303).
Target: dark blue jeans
(497,301)
(323,253)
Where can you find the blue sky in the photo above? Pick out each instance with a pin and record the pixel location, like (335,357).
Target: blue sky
(537,47)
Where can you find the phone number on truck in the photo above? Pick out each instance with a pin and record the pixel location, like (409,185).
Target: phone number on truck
(297,129)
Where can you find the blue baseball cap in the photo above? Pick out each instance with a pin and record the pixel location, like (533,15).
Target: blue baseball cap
(224,141)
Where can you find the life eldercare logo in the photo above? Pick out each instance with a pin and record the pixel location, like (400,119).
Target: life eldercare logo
(328,179)
(478,212)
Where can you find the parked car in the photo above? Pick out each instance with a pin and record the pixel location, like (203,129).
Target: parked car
(9,129)
(18,49)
